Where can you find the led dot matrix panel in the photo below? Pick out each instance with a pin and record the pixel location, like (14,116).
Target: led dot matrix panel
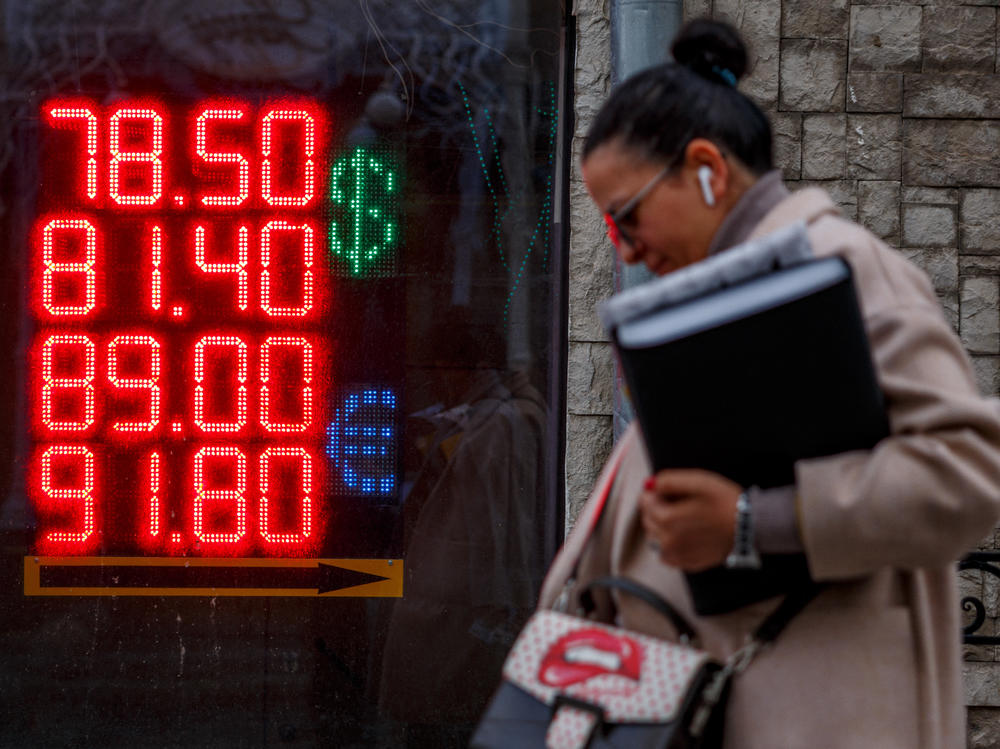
(190,378)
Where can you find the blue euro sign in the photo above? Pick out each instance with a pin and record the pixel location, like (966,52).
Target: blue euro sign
(361,442)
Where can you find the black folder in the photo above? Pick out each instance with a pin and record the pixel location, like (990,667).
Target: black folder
(745,380)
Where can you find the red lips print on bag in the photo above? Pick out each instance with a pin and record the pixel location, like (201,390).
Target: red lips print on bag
(586,653)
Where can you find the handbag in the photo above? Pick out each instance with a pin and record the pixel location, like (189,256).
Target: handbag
(570,682)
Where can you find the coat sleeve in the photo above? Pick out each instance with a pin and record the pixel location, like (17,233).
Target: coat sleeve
(928,493)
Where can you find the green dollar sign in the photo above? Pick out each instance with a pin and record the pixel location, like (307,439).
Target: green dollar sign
(366,185)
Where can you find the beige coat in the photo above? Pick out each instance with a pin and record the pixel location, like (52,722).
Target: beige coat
(874,661)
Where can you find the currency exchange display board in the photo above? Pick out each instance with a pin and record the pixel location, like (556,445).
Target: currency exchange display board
(183,300)
(186,261)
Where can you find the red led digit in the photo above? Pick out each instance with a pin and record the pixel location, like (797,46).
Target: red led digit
(156,277)
(308,166)
(150,383)
(266,289)
(213,157)
(54,299)
(67,115)
(267,383)
(208,492)
(59,353)
(233,343)
(304,495)
(151,157)
(239,267)
(81,461)
(154,495)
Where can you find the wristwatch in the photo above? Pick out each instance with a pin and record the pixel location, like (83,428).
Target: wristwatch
(744,554)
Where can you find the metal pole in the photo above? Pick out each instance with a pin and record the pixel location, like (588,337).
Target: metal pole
(641,32)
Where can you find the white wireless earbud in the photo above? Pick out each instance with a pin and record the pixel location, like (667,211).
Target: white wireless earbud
(704,179)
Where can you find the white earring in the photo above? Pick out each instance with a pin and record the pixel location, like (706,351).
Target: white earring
(704,179)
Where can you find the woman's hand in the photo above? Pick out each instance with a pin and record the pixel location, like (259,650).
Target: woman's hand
(690,515)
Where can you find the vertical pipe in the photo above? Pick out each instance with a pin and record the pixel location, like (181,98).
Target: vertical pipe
(641,32)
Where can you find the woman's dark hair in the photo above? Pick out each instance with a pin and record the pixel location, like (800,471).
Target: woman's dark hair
(658,111)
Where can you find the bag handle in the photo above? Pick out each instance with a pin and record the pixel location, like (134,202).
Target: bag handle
(684,629)
(768,630)
(562,601)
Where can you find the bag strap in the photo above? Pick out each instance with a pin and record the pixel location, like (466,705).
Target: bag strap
(738,662)
(602,503)
(789,608)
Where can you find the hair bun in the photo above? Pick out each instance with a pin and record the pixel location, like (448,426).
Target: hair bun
(712,49)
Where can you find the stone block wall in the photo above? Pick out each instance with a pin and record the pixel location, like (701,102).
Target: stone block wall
(894,108)
(590,370)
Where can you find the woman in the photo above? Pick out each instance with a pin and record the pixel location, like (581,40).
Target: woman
(680,163)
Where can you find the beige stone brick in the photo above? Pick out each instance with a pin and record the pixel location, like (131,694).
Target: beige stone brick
(930,226)
(983,728)
(991,590)
(987,370)
(808,19)
(593,83)
(759,21)
(982,653)
(824,149)
(592,74)
(590,374)
(982,684)
(874,92)
(591,263)
(591,259)
(813,75)
(980,318)
(951,95)
(980,221)
(787,130)
(937,195)
(588,444)
(878,209)
(979,265)
(874,146)
(885,38)
(697,9)
(941,266)
(943,153)
(959,39)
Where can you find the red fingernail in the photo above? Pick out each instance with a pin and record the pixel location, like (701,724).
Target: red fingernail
(650,483)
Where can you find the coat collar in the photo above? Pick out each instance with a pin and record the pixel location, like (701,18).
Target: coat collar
(805,205)
(754,205)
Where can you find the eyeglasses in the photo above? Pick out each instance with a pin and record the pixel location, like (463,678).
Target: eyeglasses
(616,232)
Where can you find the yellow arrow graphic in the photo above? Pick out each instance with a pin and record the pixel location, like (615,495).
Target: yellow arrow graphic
(203,576)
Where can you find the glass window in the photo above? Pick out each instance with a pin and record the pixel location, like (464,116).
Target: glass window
(283,327)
